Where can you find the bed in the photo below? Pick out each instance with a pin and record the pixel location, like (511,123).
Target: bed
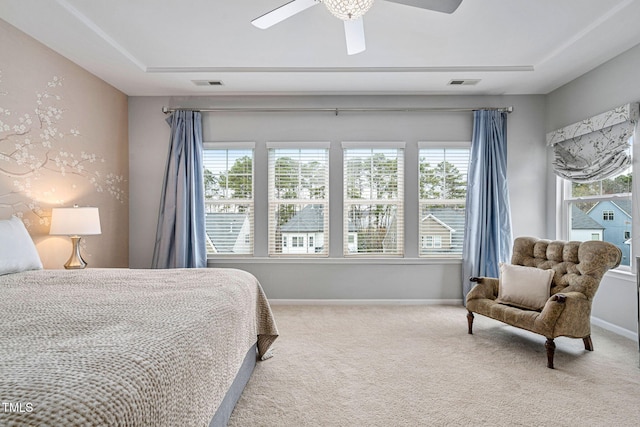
(123,347)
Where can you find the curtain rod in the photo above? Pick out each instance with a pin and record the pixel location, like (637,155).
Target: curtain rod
(337,110)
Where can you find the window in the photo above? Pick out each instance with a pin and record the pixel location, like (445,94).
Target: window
(431,242)
(373,199)
(228,186)
(602,208)
(443,189)
(594,159)
(298,198)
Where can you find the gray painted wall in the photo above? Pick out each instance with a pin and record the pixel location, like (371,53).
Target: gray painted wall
(610,85)
(337,278)
(532,184)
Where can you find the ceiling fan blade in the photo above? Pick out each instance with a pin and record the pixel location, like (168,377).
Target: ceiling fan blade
(445,6)
(354,34)
(283,12)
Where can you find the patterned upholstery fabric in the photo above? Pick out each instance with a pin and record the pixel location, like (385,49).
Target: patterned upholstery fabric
(578,268)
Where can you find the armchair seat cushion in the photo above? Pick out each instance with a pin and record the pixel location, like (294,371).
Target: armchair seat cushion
(514,316)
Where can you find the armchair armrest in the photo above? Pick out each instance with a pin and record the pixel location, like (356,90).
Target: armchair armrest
(565,314)
(486,288)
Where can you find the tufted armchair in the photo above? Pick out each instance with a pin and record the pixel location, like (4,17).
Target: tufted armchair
(577,268)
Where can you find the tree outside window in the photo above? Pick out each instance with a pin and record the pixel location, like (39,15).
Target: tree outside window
(442,191)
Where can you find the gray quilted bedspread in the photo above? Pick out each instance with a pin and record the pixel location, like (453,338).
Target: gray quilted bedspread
(119,347)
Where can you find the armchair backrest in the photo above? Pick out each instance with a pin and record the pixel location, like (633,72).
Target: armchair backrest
(577,266)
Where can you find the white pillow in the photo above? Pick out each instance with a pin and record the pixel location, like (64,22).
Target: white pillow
(17,250)
(524,287)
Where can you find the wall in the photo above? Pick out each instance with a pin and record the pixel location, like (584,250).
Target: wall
(409,278)
(610,85)
(63,141)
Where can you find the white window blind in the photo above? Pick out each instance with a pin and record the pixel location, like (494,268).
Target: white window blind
(298,199)
(373,199)
(228,183)
(443,188)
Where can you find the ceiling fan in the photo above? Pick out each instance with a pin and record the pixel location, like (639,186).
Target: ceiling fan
(350,11)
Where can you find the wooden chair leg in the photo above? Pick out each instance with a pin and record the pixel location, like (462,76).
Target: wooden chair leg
(551,348)
(588,344)
(470,322)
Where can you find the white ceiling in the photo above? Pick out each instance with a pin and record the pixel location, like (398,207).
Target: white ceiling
(158,47)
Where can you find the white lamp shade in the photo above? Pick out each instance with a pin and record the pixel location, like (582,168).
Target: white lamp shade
(77,221)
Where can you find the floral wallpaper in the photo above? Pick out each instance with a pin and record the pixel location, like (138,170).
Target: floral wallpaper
(63,141)
(32,151)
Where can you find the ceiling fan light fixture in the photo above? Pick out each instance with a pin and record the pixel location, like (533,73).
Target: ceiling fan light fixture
(348,10)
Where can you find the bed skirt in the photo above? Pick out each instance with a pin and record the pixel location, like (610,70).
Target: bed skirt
(222,415)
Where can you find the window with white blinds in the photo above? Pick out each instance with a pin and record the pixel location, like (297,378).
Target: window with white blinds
(298,199)
(373,199)
(443,189)
(228,186)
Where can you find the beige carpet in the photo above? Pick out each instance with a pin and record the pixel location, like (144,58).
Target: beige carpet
(417,366)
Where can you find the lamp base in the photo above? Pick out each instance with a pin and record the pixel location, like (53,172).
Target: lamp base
(75,262)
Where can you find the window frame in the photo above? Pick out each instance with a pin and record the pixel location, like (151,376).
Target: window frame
(337,235)
(564,215)
(399,202)
(440,145)
(236,146)
(273,202)
(563,206)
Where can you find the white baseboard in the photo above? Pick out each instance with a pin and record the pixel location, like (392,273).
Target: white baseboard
(614,328)
(365,301)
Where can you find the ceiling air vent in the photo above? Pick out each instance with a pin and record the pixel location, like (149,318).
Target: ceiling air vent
(207,82)
(465,82)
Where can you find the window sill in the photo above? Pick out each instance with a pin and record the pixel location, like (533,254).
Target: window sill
(622,274)
(211,262)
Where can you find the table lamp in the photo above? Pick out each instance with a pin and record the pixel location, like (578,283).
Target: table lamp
(75,222)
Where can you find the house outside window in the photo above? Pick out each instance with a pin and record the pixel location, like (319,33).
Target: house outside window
(442,193)
(228,186)
(602,208)
(373,199)
(298,186)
